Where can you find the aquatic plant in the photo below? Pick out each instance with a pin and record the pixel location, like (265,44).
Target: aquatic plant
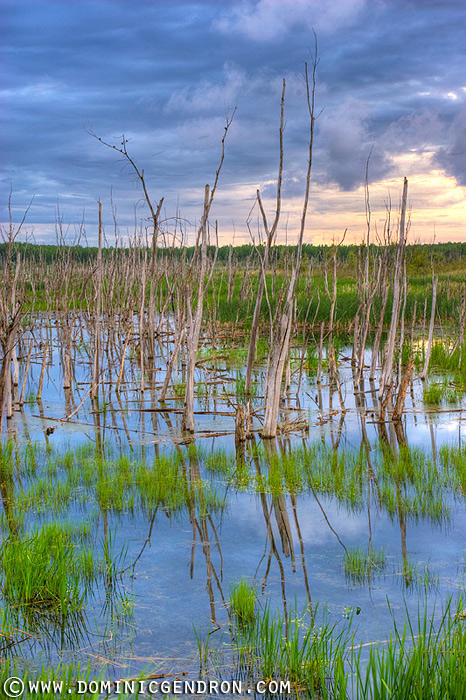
(422,659)
(49,683)
(449,359)
(45,569)
(418,578)
(294,649)
(453,461)
(433,394)
(240,388)
(362,564)
(178,389)
(312,359)
(436,392)
(243,602)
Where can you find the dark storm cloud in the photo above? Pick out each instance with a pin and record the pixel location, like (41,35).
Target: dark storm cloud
(391,78)
(452,157)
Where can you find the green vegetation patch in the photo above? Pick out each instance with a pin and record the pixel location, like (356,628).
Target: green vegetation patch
(361,565)
(46,569)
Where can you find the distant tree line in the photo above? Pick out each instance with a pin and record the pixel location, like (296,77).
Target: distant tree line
(419,256)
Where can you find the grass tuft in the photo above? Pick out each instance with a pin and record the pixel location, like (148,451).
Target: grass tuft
(243,602)
(361,565)
(46,570)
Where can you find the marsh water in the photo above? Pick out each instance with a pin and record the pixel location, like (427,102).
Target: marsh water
(287,515)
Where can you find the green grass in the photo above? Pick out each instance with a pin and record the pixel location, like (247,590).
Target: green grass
(62,681)
(243,602)
(49,570)
(179,389)
(452,395)
(418,578)
(361,565)
(46,570)
(407,482)
(312,359)
(116,484)
(435,393)
(240,385)
(453,462)
(422,660)
(445,359)
(294,649)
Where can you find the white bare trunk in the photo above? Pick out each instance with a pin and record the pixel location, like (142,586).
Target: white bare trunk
(195,325)
(386,379)
(431,329)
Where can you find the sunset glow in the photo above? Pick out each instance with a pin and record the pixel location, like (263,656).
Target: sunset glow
(390,87)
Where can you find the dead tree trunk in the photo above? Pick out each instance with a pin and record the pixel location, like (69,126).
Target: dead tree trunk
(168,372)
(402,320)
(43,368)
(334,379)
(281,337)
(8,342)
(431,328)
(386,381)
(321,350)
(368,288)
(194,322)
(98,310)
(404,383)
(142,315)
(378,333)
(462,323)
(11,313)
(270,237)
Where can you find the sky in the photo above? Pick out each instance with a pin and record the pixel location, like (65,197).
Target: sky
(390,94)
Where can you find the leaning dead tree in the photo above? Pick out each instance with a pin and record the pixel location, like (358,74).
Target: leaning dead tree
(281,334)
(154,210)
(333,377)
(270,233)
(369,276)
(386,380)
(423,374)
(98,313)
(195,317)
(384,288)
(11,313)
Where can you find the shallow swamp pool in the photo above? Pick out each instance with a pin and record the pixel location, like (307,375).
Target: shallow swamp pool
(356,521)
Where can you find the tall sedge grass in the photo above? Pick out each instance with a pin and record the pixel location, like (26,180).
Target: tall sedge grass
(437,392)
(454,362)
(294,649)
(49,680)
(361,565)
(433,394)
(422,660)
(45,569)
(453,461)
(407,482)
(243,602)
